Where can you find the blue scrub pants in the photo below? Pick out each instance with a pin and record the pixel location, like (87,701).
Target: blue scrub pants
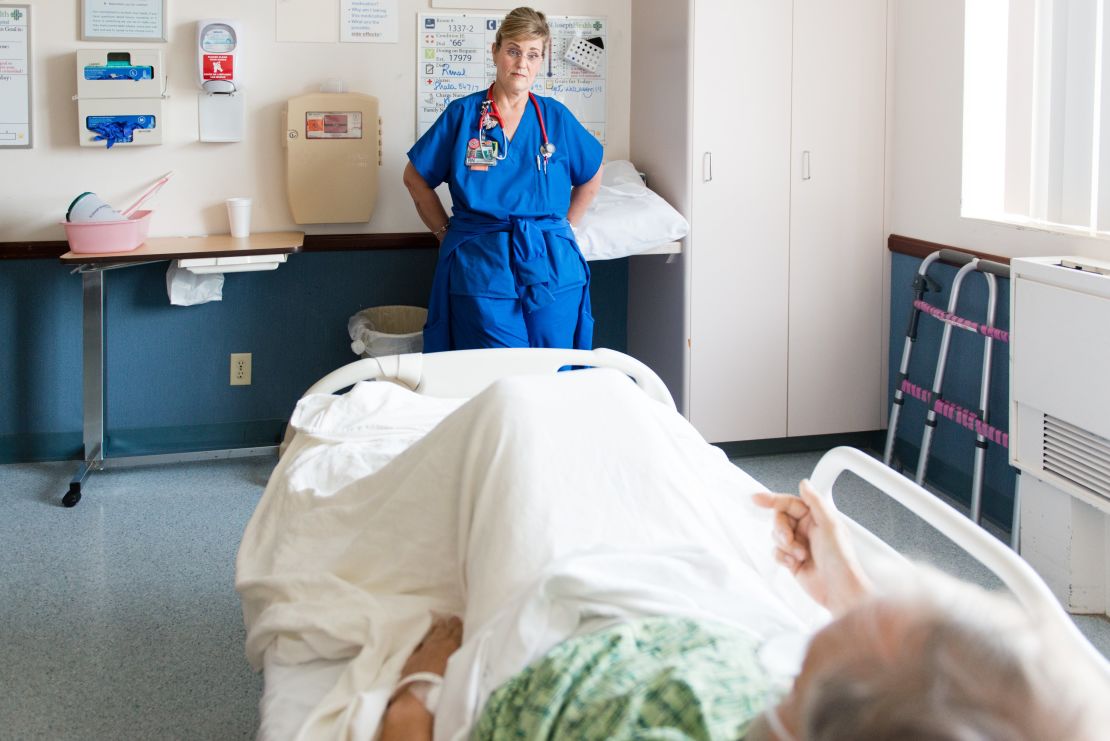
(480,321)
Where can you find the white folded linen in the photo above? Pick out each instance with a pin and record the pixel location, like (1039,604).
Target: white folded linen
(626,217)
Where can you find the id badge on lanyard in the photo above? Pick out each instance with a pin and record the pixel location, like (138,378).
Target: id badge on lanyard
(481,155)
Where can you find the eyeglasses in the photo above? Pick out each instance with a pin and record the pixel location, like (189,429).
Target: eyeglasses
(533,57)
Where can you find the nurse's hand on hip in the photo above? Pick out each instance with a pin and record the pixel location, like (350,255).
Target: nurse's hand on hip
(428,205)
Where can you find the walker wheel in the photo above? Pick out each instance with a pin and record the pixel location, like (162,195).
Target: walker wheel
(73,496)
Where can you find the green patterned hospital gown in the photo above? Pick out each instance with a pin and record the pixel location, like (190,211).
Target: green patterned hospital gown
(658,678)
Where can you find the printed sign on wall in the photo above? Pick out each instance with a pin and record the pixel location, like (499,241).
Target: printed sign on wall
(15,76)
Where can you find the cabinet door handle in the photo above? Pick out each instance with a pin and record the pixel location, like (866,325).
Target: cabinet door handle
(707,167)
(805,165)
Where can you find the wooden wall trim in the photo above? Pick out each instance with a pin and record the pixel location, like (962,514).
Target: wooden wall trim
(54,249)
(349,242)
(423,240)
(33,250)
(922,249)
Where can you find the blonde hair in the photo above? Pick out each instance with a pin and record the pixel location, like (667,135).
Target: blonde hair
(523,23)
(959,664)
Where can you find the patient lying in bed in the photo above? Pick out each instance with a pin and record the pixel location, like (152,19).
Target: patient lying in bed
(956,663)
(615,578)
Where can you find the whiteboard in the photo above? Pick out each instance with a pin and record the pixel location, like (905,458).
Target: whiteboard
(15,76)
(453,59)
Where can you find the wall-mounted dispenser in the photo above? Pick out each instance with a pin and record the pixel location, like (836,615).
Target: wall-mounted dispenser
(220,107)
(332,154)
(120,97)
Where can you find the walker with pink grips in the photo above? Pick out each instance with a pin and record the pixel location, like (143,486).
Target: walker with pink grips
(937,405)
(121,235)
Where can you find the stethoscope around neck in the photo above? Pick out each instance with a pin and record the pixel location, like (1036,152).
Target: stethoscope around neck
(489,112)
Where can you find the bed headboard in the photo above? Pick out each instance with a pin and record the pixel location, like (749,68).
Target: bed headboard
(464,373)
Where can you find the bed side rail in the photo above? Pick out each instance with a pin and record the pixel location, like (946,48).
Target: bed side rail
(464,373)
(1015,573)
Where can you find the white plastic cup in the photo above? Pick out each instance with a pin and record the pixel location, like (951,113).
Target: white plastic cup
(239,216)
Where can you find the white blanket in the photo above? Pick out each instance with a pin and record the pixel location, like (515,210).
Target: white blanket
(543,503)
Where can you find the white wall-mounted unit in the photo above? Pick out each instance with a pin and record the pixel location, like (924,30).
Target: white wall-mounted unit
(120,97)
(1060,374)
(1060,422)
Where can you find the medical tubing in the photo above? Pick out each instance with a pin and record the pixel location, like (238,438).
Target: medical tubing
(497,114)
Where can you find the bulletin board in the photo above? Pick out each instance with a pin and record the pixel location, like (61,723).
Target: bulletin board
(453,60)
(15,77)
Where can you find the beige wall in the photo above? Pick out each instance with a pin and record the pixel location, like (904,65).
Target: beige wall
(925,128)
(36,185)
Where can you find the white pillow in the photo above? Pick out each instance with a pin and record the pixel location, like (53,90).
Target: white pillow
(626,218)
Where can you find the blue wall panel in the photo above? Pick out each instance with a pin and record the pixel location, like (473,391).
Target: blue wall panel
(953,448)
(168,365)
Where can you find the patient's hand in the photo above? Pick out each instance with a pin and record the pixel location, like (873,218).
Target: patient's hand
(406,718)
(811,541)
(432,653)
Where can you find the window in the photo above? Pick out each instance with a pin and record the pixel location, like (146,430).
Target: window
(1037,114)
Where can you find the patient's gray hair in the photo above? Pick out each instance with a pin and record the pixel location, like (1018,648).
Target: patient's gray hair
(960,664)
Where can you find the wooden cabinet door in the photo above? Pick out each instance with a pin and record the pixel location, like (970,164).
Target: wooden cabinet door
(740,219)
(836,216)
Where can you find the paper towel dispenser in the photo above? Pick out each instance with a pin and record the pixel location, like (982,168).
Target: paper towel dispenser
(332,156)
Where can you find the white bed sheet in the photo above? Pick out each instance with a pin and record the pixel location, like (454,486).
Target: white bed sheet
(291,691)
(334,602)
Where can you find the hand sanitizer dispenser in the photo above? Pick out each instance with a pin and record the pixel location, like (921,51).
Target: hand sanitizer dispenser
(220,107)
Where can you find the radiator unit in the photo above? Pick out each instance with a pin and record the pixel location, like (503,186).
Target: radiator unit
(1060,422)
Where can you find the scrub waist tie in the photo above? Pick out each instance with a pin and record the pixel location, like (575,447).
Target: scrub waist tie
(527,249)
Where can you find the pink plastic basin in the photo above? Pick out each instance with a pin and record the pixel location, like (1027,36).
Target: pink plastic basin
(109,236)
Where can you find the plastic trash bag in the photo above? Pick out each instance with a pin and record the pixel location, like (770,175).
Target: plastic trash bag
(387,330)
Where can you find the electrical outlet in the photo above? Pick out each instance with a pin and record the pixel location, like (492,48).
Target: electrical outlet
(240,369)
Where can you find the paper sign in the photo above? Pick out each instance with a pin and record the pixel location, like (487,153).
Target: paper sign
(219,67)
(15,76)
(123,19)
(368,21)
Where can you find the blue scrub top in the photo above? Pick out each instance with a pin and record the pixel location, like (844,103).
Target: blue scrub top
(509,237)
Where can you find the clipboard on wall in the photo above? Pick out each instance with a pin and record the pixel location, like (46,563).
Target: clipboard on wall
(15,77)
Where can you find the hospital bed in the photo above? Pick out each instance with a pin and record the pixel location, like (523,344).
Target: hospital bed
(308,686)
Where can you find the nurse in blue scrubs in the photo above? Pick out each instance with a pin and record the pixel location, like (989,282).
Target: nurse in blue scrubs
(521,170)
